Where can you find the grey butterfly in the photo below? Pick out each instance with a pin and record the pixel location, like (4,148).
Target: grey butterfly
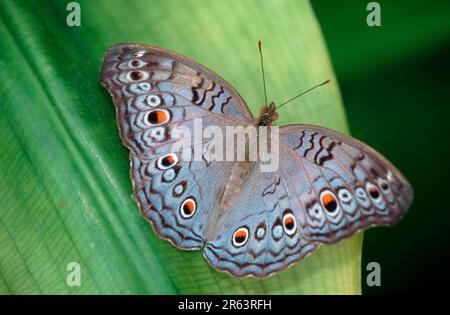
(248,223)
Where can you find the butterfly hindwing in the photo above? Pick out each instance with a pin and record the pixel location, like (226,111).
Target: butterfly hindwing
(178,199)
(269,215)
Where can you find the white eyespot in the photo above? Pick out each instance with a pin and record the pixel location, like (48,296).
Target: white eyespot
(289,224)
(166,161)
(277,231)
(158,133)
(316,212)
(188,208)
(329,201)
(153,100)
(362,198)
(373,192)
(390,176)
(139,53)
(139,88)
(178,190)
(240,237)
(361,193)
(157,117)
(260,232)
(344,195)
(135,63)
(169,175)
(137,75)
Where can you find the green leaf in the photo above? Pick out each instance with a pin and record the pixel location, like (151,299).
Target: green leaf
(65,192)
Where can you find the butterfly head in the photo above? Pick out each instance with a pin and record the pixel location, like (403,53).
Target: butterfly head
(267,115)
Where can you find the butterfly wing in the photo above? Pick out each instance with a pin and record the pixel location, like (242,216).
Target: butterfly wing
(146,79)
(345,185)
(260,233)
(156,92)
(328,187)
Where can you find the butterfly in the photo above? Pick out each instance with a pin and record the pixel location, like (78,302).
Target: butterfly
(328,186)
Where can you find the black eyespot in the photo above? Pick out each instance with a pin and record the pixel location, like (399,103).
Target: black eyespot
(374,193)
(135,63)
(136,75)
(384,185)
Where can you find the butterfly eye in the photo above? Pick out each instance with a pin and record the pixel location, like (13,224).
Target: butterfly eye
(158,117)
(329,201)
(373,191)
(289,224)
(240,237)
(188,208)
(166,161)
(137,75)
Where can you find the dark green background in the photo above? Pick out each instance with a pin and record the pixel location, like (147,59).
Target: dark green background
(395,85)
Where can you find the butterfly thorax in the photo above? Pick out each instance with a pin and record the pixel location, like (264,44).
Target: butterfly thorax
(267,115)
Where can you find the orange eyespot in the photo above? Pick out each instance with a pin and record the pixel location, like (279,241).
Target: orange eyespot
(289,223)
(158,116)
(329,201)
(240,236)
(188,208)
(166,161)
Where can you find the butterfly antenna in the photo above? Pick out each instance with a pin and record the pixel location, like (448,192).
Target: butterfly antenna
(262,70)
(316,86)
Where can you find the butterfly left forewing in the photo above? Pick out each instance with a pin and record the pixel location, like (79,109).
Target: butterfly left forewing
(159,95)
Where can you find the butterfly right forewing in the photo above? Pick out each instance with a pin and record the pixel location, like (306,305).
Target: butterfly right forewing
(348,187)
